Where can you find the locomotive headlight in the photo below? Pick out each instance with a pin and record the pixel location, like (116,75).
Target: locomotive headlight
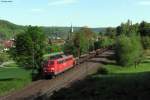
(52,69)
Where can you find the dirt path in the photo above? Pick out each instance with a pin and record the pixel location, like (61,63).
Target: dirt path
(42,87)
(3,65)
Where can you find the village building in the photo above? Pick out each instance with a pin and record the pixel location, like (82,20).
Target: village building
(7,44)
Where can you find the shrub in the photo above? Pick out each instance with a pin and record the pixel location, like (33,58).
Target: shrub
(96,45)
(146,42)
(128,50)
(1,47)
(54,48)
(104,42)
(4,57)
(102,71)
(69,48)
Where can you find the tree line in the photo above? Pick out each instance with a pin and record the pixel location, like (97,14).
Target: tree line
(131,40)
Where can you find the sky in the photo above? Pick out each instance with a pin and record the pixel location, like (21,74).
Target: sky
(92,13)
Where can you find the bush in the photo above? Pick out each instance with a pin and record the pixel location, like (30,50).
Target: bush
(69,48)
(54,48)
(128,50)
(4,57)
(97,45)
(1,47)
(146,42)
(102,71)
(106,42)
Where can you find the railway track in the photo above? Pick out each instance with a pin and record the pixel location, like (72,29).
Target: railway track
(43,88)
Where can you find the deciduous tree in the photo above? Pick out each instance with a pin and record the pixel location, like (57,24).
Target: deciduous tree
(30,48)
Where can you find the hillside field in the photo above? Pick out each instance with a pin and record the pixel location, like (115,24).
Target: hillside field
(12,79)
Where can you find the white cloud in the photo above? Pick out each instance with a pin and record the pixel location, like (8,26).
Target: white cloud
(62,2)
(144,3)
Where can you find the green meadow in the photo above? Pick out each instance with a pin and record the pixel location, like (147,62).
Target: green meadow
(13,78)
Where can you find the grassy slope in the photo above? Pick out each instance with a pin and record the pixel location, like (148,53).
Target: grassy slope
(144,67)
(13,79)
(128,83)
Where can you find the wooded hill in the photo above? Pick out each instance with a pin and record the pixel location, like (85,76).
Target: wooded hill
(9,30)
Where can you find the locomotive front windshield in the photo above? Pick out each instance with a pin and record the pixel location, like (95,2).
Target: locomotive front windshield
(56,57)
(48,63)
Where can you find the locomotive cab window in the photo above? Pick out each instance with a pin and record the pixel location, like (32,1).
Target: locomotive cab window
(51,62)
(68,59)
(60,61)
(56,57)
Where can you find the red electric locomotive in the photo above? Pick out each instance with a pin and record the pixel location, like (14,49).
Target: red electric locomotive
(57,64)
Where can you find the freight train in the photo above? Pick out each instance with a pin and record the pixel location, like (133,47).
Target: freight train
(59,63)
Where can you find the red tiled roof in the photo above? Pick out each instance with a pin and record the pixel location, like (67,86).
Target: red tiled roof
(8,43)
